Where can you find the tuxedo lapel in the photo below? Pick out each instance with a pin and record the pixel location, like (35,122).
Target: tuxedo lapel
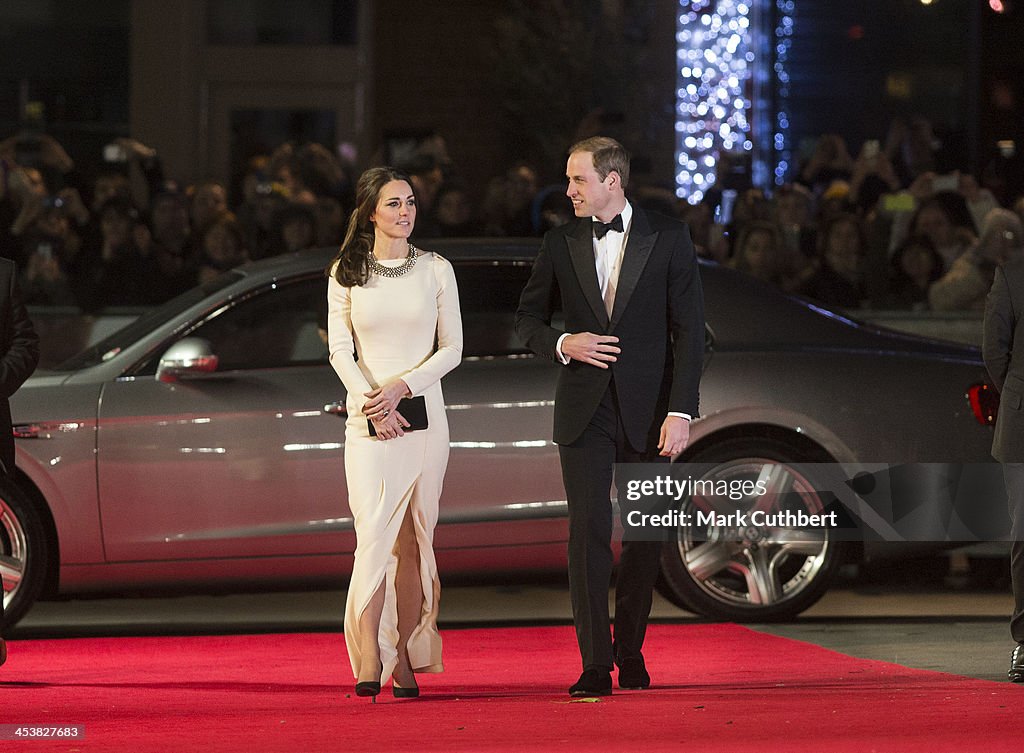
(634,259)
(581,251)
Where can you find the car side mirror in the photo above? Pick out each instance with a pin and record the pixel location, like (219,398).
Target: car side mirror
(190,356)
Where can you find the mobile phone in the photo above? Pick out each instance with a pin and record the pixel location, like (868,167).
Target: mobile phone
(945,183)
(723,212)
(871,149)
(45,251)
(114,153)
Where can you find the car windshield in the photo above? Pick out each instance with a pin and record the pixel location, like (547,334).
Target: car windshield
(113,344)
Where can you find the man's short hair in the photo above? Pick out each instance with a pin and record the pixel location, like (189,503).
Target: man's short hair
(608,154)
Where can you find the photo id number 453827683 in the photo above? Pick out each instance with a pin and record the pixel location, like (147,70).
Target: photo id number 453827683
(40,731)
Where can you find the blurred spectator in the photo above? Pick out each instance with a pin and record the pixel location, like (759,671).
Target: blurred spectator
(44,278)
(752,206)
(209,201)
(830,161)
(839,281)
(551,208)
(834,202)
(698,219)
(262,199)
(320,173)
(330,221)
(427,176)
(171,245)
(508,202)
(912,148)
(980,201)
(914,267)
(119,272)
(968,281)
(221,247)
(757,252)
(455,213)
(873,176)
(169,221)
(1018,208)
(296,227)
(794,208)
(944,218)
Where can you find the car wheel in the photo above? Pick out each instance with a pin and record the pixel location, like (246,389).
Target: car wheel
(752,573)
(23,552)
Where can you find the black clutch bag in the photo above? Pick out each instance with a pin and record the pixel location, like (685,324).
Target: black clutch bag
(413,410)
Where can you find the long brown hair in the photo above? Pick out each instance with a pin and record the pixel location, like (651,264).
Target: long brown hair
(351,267)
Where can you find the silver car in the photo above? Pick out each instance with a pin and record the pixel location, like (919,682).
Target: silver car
(200,447)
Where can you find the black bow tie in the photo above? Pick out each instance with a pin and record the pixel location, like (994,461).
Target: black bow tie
(601,228)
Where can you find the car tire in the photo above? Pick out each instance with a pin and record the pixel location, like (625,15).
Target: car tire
(765,576)
(23,552)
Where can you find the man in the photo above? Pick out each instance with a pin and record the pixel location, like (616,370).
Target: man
(19,345)
(1003,351)
(631,357)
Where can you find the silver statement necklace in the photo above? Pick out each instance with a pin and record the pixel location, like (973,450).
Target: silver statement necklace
(410,261)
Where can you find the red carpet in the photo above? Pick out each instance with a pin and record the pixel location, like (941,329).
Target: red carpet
(719,688)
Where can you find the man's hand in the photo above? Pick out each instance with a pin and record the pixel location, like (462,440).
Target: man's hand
(675,435)
(597,350)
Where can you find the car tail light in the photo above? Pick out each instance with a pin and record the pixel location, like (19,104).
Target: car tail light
(984,402)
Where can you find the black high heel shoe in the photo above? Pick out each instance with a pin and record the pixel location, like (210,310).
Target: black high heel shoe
(413,691)
(370,688)
(400,692)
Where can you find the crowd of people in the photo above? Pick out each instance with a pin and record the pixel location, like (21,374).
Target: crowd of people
(889,229)
(892,228)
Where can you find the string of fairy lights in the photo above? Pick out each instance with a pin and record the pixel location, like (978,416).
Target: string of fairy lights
(716,59)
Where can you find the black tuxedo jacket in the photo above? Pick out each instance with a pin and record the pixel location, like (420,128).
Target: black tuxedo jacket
(19,354)
(1003,351)
(658,318)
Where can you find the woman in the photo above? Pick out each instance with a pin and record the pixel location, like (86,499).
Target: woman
(839,280)
(387,301)
(914,267)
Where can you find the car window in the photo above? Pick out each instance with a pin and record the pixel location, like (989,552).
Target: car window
(283,325)
(129,334)
(489,295)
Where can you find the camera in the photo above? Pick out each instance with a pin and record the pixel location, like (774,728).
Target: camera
(945,183)
(114,153)
(53,202)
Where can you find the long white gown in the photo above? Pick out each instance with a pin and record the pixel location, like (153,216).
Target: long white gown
(390,324)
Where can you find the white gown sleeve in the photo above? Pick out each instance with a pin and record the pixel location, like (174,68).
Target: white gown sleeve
(341,340)
(449,331)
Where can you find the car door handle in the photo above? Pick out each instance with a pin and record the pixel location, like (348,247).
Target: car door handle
(338,409)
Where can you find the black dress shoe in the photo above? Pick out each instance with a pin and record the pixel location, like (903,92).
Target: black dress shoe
(1016,671)
(633,674)
(593,682)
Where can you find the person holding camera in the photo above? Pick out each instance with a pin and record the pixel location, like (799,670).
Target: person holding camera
(969,279)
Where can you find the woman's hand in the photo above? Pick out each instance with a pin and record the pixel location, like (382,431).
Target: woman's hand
(390,427)
(383,400)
